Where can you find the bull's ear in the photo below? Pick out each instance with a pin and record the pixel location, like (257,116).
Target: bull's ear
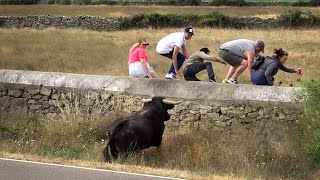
(146,100)
(171,102)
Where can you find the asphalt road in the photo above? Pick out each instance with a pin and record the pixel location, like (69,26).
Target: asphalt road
(11,169)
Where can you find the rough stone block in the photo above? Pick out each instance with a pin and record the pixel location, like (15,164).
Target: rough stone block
(15,93)
(45,91)
(32,90)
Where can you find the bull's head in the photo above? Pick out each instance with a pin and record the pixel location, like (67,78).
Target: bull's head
(169,103)
(164,103)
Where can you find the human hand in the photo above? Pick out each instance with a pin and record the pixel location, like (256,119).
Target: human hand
(298,71)
(179,75)
(277,84)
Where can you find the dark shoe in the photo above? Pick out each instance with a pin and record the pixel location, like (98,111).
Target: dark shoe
(212,80)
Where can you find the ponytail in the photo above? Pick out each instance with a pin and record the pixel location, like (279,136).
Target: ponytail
(134,46)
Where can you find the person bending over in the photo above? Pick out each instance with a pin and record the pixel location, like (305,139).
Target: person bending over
(196,63)
(239,54)
(265,73)
(169,47)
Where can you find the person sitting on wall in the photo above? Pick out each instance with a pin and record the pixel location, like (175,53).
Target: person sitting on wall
(263,75)
(138,61)
(196,63)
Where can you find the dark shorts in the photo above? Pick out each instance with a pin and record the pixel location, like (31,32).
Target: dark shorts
(230,58)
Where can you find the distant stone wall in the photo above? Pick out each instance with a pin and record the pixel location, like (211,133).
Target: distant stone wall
(205,105)
(95,23)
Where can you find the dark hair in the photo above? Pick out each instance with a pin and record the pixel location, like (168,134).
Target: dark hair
(279,53)
(205,50)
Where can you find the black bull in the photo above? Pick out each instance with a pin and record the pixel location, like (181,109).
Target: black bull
(141,130)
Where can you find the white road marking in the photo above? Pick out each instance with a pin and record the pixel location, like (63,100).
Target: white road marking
(102,170)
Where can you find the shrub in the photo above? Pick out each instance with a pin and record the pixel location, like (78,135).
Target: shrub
(297,18)
(228,3)
(306,3)
(215,19)
(108,2)
(180,2)
(157,21)
(309,134)
(17,2)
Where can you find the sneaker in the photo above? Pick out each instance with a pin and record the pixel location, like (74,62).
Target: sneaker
(212,80)
(171,76)
(225,81)
(232,81)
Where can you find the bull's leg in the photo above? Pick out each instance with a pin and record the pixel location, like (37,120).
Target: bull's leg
(106,155)
(114,152)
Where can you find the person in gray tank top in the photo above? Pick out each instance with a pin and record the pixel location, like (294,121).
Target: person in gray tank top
(239,54)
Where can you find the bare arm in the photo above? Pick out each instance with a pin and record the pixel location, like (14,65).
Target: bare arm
(184,51)
(250,57)
(145,67)
(212,58)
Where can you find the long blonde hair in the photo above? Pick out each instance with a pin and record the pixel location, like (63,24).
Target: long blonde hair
(134,46)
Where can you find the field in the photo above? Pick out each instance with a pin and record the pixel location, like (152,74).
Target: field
(106,53)
(103,10)
(202,154)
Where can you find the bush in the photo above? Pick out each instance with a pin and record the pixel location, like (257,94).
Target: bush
(108,2)
(157,21)
(17,2)
(309,134)
(215,19)
(179,2)
(307,3)
(297,18)
(228,3)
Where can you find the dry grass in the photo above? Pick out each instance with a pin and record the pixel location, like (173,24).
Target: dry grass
(264,150)
(106,53)
(104,10)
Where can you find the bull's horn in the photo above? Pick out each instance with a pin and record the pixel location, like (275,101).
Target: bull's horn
(146,100)
(171,102)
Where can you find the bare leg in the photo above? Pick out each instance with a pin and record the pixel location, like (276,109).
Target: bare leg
(231,71)
(154,75)
(240,69)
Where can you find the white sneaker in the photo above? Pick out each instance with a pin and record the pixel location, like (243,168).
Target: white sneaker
(171,76)
(232,81)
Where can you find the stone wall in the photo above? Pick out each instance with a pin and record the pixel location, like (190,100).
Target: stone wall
(98,23)
(95,23)
(217,106)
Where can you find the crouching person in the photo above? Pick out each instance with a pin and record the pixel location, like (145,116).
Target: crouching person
(263,75)
(196,63)
(138,61)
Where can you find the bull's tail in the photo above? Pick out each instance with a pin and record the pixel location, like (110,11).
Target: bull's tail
(110,147)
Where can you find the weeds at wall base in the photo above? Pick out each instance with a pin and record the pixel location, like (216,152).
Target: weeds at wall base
(267,150)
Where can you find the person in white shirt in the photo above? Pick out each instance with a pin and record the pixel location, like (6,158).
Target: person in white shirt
(170,45)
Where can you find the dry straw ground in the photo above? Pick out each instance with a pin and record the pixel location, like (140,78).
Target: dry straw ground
(106,53)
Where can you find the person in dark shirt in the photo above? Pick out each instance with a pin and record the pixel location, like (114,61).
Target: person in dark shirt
(264,74)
